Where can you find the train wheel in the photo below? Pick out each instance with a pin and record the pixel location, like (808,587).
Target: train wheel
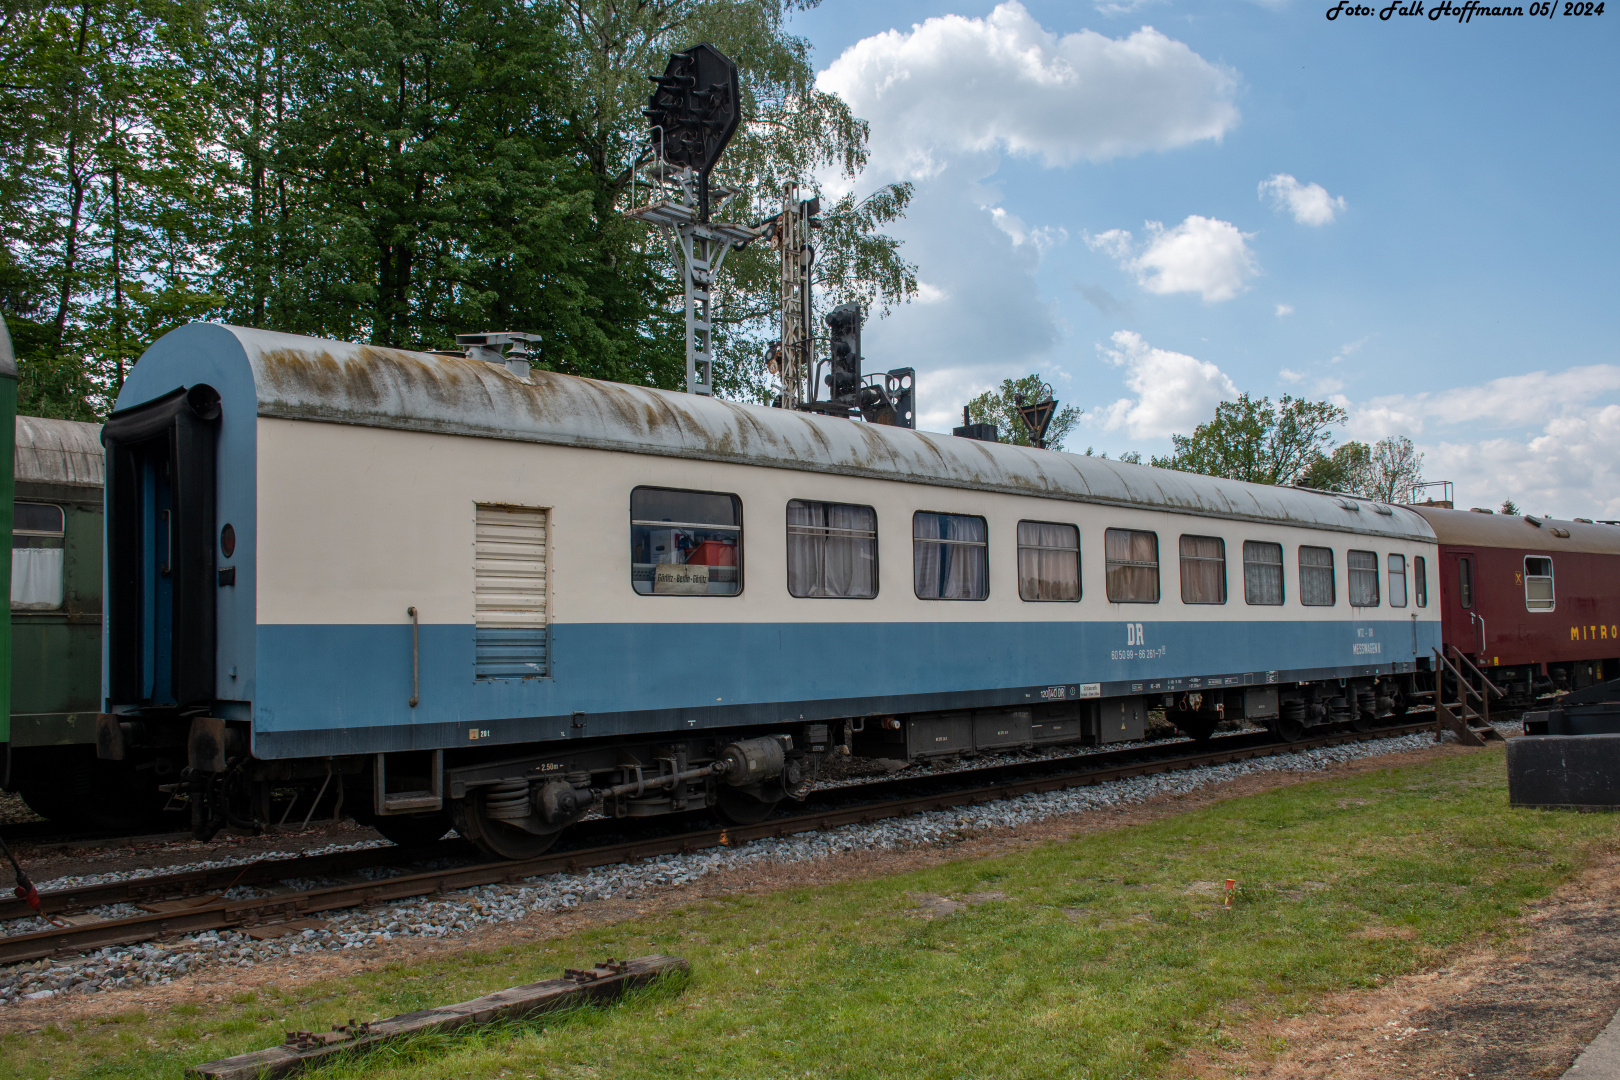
(741,808)
(1287,728)
(412,830)
(494,837)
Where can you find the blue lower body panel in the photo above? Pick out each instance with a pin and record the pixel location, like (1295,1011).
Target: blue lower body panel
(325,689)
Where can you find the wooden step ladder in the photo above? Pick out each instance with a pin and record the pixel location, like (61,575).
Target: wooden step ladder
(1471,725)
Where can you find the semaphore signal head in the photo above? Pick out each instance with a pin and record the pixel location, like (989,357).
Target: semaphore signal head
(695,109)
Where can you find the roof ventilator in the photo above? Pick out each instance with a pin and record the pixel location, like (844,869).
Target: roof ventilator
(487,347)
(1348,505)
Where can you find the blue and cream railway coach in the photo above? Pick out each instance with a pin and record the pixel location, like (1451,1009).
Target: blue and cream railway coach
(480,595)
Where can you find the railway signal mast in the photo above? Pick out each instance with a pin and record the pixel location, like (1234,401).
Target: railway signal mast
(693,113)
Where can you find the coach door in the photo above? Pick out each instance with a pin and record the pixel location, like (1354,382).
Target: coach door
(160,550)
(1459,597)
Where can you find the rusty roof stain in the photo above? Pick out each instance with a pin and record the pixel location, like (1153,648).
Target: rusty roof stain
(313,379)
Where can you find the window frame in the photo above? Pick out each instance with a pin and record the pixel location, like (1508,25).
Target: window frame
(787,552)
(738,528)
(1420,581)
(983,544)
(1390,574)
(1374,570)
(1552,603)
(1332,575)
(1182,558)
(40,540)
(1282,576)
(1157,564)
(1079,583)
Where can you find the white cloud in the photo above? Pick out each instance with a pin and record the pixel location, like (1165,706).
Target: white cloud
(928,294)
(1548,440)
(1003,83)
(1045,237)
(1284,310)
(1286,375)
(1173,392)
(1123,7)
(1309,203)
(1202,255)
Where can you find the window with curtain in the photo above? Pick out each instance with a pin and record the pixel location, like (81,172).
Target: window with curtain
(1262,573)
(37,557)
(1538,583)
(1132,571)
(1363,567)
(1396,567)
(1316,577)
(1420,580)
(950,556)
(685,543)
(831,549)
(1203,570)
(1465,582)
(1048,561)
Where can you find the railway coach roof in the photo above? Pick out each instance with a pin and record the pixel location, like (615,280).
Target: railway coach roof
(58,452)
(312,379)
(1464,528)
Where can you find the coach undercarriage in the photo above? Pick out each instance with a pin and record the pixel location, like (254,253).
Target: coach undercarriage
(514,802)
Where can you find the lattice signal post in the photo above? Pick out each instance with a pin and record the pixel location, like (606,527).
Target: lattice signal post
(692,115)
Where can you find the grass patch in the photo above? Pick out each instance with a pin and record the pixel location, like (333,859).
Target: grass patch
(1105,956)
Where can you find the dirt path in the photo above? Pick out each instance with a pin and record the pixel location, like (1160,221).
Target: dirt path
(1522,1008)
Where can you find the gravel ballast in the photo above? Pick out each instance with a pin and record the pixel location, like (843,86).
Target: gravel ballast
(458,913)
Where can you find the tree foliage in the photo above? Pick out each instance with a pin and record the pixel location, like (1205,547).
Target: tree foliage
(1256,440)
(394,171)
(1000,407)
(1292,443)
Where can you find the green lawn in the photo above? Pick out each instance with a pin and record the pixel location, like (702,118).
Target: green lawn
(1105,956)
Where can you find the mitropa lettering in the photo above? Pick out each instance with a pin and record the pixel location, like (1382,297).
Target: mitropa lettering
(1594,633)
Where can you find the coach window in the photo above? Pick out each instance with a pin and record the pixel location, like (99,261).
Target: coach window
(950,556)
(1132,571)
(1465,582)
(1262,573)
(1420,580)
(36,557)
(1363,566)
(1396,566)
(1316,586)
(685,543)
(831,549)
(1538,583)
(1048,561)
(1203,570)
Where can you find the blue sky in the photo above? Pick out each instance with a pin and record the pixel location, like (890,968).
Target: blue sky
(1159,204)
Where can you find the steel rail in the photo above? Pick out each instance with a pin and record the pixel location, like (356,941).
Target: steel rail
(186,884)
(241,914)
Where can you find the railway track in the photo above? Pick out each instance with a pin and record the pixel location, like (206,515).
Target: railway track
(189,902)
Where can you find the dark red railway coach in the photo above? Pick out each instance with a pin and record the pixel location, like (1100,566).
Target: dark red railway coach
(1533,601)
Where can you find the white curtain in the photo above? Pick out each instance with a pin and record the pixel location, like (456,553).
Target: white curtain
(1316,576)
(1048,561)
(36,578)
(1133,566)
(1262,572)
(1203,570)
(832,549)
(950,556)
(1363,578)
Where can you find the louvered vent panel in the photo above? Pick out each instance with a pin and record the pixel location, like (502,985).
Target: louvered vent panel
(509,593)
